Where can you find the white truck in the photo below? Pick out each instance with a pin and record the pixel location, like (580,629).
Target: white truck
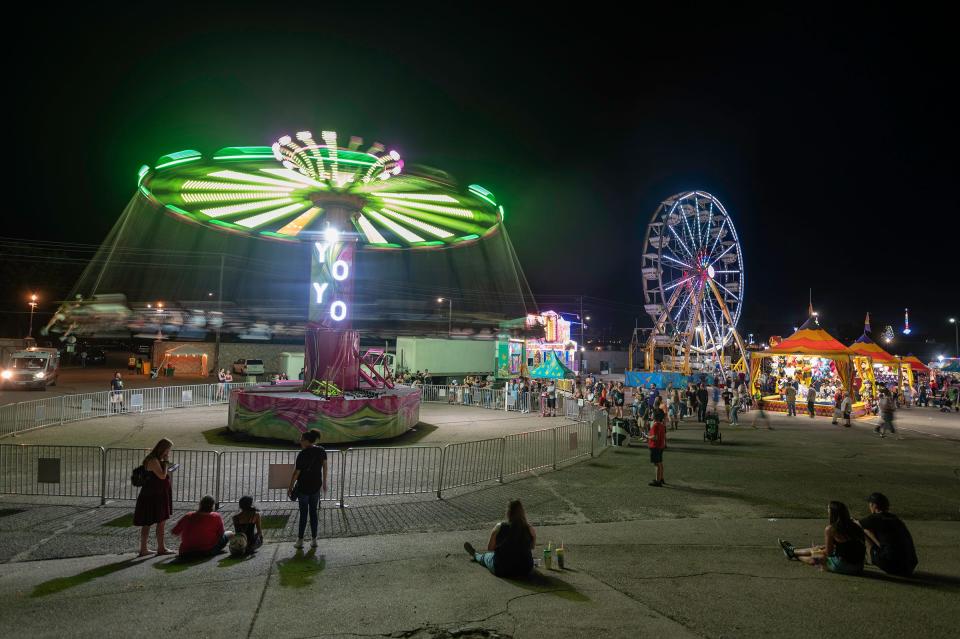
(32,367)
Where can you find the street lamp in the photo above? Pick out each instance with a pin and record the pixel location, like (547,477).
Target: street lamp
(33,307)
(449,301)
(956,336)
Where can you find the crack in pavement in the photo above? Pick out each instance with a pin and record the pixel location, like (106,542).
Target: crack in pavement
(21,556)
(263,593)
(644,604)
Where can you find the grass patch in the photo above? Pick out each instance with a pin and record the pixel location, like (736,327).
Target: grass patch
(223,437)
(63,583)
(6,512)
(300,570)
(273,522)
(123,521)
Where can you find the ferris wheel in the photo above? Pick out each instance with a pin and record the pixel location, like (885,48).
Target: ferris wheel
(693,279)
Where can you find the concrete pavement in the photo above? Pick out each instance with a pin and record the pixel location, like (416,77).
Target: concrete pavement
(695,558)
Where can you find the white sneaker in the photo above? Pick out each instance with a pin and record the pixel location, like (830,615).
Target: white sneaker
(299,543)
(313,542)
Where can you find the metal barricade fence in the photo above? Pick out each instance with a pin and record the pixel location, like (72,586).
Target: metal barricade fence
(433,393)
(524,452)
(265,474)
(8,419)
(85,406)
(38,413)
(468,463)
(391,471)
(573,441)
(197,475)
(65,471)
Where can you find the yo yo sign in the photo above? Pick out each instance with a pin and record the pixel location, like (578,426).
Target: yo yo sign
(331,281)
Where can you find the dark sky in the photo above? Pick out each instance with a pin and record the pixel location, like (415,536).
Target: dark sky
(829,134)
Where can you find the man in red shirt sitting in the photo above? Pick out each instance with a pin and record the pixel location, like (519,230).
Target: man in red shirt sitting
(201,532)
(657,441)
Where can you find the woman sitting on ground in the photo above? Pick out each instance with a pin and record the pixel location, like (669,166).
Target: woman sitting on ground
(510,549)
(247,522)
(843,550)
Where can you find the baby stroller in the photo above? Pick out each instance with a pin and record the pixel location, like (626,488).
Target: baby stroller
(711,431)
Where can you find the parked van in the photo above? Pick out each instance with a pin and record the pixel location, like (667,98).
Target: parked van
(248,367)
(33,367)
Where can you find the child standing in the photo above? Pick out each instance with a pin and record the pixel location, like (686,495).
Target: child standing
(657,442)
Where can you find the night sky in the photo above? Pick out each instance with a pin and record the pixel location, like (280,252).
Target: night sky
(830,137)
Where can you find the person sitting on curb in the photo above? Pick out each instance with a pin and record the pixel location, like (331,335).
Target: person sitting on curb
(247,523)
(510,548)
(843,548)
(201,532)
(888,540)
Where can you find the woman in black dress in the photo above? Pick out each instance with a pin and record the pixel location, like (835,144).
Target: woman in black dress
(155,501)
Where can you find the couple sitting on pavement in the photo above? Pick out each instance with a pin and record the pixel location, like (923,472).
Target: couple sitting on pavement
(847,540)
(202,533)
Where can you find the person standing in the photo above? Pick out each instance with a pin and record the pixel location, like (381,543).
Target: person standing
(116,394)
(887,406)
(837,407)
(155,500)
(657,441)
(790,393)
(618,399)
(702,403)
(846,409)
(552,397)
(811,401)
(308,481)
(735,406)
(727,400)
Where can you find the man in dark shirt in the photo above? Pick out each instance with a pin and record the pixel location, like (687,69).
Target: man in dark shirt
(888,540)
(702,403)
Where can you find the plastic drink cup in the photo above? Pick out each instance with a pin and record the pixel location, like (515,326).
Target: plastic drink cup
(560,555)
(547,559)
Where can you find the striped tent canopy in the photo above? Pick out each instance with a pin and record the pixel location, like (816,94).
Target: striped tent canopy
(810,341)
(866,347)
(916,364)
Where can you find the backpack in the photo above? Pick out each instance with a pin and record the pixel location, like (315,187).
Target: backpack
(139,476)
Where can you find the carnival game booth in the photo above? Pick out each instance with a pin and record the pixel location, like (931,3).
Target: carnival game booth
(873,366)
(917,372)
(185,360)
(811,357)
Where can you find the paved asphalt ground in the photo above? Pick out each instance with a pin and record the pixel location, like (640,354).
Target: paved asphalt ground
(695,558)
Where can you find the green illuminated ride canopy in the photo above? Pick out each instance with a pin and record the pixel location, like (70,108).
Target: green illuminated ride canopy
(296,188)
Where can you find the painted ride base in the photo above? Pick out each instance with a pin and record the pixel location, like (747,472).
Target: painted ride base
(776,405)
(279,412)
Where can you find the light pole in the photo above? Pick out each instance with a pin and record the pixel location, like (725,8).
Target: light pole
(33,307)
(956,336)
(449,301)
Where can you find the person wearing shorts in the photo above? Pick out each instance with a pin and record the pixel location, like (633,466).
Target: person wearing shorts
(618,398)
(657,441)
(552,398)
